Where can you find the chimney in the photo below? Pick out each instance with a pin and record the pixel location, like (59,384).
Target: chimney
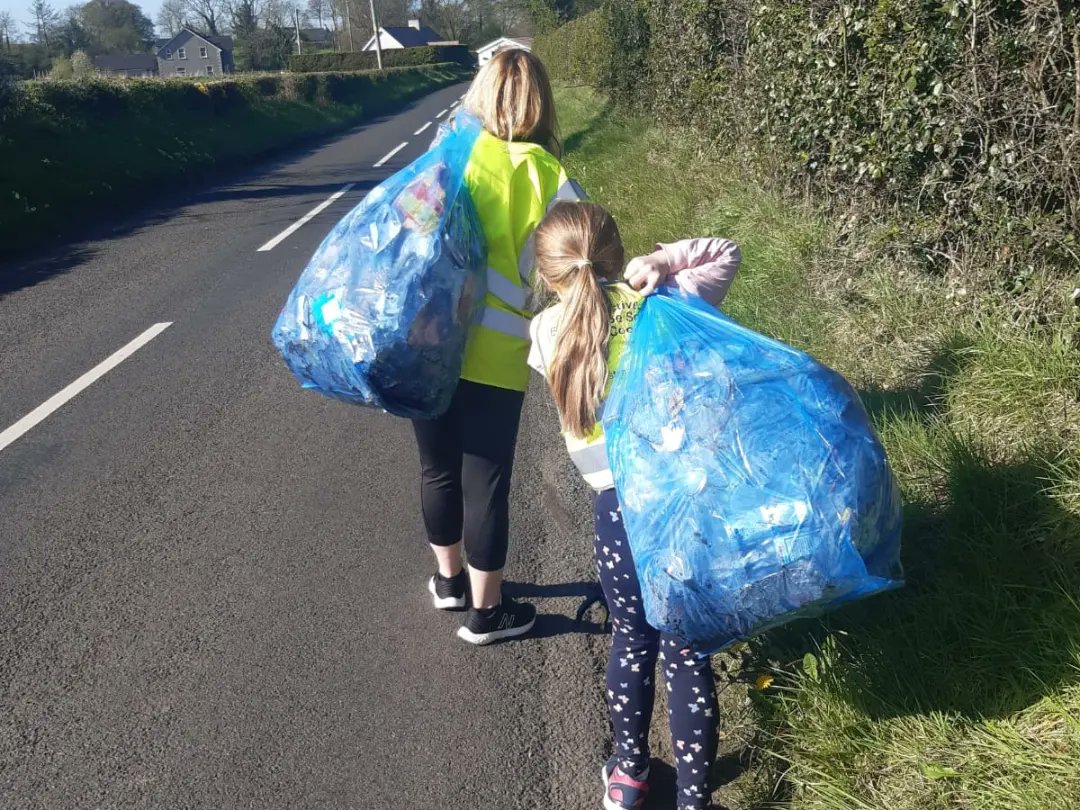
(414,24)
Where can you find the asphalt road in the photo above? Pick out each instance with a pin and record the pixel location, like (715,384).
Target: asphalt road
(212,584)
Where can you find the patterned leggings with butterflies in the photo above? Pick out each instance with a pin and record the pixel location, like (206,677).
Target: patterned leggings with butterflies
(635,647)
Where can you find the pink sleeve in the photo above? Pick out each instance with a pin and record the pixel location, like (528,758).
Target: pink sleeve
(704,267)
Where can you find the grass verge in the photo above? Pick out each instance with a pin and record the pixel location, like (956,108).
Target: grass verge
(963,689)
(70,150)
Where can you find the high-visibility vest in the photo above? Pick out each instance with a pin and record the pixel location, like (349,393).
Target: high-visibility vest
(513,185)
(589,453)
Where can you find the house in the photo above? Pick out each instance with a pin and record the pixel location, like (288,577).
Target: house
(319,37)
(412,35)
(134,65)
(190,53)
(501,44)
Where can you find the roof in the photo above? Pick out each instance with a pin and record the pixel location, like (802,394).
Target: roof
(412,37)
(317,34)
(127,61)
(224,43)
(519,42)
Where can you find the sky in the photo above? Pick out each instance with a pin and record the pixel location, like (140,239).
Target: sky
(20,10)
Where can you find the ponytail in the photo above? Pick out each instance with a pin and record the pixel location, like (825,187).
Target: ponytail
(577,247)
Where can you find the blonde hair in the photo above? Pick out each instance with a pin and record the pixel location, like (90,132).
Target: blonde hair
(577,247)
(512,97)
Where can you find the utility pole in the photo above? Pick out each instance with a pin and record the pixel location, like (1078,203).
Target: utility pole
(378,38)
(296,19)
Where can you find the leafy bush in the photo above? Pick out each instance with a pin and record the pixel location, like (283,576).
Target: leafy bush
(960,119)
(363,60)
(82,65)
(61,68)
(578,52)
(69,146)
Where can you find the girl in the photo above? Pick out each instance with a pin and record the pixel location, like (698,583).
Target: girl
(576,345)
(467,454)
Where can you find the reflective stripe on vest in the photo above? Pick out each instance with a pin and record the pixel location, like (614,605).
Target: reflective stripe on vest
(505,290)
(511,185)
(505,322)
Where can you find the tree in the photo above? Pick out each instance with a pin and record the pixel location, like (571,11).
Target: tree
(245,17)
(172,17)
(7,29)
(319,10)
(264,49)
(70,35)
(207,14)
(45,19)
(114,26)
(82,65)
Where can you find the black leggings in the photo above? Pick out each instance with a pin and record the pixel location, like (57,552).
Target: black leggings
(466,458)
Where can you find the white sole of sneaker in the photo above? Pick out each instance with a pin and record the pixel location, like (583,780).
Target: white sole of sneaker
(480,639)
(447,603)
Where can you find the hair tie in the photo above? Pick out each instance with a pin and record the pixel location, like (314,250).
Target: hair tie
(583,263)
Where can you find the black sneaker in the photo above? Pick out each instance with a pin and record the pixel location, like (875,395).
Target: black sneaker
(448,593)
(508,619)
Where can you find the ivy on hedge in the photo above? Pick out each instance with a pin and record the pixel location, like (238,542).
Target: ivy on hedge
(960,116)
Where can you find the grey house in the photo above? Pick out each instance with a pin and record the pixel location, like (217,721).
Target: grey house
(135,65)
(193,54)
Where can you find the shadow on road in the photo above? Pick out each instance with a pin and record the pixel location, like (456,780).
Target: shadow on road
(71,244)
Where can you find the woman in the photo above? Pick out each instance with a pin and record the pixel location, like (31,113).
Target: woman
(467,454)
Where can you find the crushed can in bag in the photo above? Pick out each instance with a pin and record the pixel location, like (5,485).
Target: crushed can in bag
(381,313)
(753,487)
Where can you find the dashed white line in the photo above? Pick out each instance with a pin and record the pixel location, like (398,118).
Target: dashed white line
(444,112)
(391,153)
(425,126)
(285,234)
(85,381)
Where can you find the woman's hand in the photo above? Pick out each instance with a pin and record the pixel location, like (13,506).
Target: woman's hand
(646,273)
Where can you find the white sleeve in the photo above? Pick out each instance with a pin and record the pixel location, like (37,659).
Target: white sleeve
(536,360)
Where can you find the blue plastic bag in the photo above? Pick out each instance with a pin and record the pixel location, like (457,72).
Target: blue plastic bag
(752,485)
(381,314)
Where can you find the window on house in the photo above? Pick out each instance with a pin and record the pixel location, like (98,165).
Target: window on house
(202,52)
(168,53)
(181,53)
(209,70)
(181,71)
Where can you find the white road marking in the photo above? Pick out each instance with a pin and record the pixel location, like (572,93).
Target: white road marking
(391,153)
(85,381)
(440,115)
(425,126)
(285,234)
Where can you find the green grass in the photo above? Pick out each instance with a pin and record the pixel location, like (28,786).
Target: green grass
(963,689)
(73,149)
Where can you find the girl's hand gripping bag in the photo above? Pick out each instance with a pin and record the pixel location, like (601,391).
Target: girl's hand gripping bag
(752,485)
(380,315)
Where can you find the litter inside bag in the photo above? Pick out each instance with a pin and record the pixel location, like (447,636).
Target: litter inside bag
(381,314)
(752,485)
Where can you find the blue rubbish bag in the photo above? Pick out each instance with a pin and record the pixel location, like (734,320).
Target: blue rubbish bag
(382,311)
(752,485)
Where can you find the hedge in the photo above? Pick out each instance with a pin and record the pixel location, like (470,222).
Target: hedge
(397,57)
(578,52)
(74,147)
(960,118)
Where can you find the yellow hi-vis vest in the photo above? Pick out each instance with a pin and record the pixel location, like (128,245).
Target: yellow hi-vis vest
(513,185)
(589,453)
